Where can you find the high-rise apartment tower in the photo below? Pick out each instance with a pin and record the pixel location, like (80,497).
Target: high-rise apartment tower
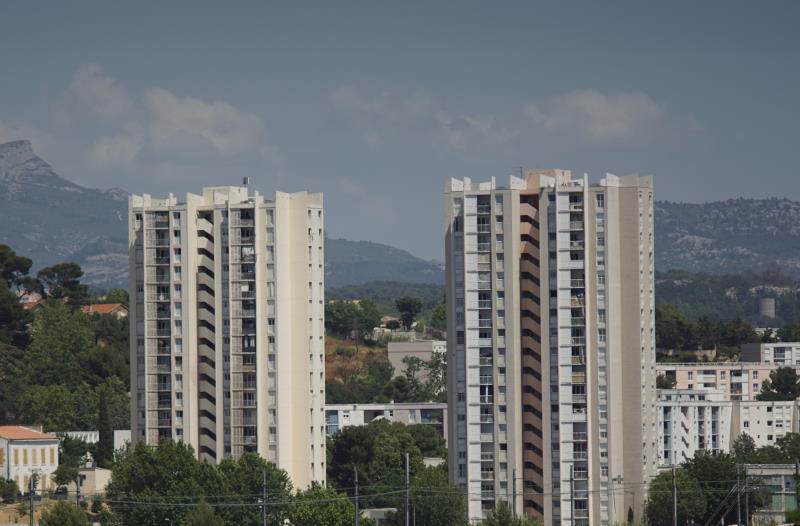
(551,346)
(227,330)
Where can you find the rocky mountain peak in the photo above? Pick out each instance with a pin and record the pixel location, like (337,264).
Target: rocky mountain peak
(17,159)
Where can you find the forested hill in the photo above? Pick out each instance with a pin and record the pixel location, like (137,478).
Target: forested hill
(728,237)
(728,296)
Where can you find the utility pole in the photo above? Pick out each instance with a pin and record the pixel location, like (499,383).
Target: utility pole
(674,499)
(263,491)
(408,486)
(78,490)
(746,498)
(514,493)
(738,498)
(355,470)
(30,493)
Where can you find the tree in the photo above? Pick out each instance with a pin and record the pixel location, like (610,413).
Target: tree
(665,381)
(377,450)
(203,515)
(439,316)
(783,384)
(65,474)
(245,477)
(64,514)
(743,445)
(409,307)
(13,373)
(104,453)
(62,281)
(502,515)
(630,515)
(434,500)
(789,444)
(674,330)
(8,490)
(14,319)
(790,332)
(13,268)
(319,506)
(691,505)
(117,296)
(60,338)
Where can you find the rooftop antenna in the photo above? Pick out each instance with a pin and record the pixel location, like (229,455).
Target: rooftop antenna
(245,181)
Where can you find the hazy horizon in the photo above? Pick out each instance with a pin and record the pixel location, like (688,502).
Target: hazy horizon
(377,105)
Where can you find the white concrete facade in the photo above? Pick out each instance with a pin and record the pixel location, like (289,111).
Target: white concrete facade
(692,420)
(551,344)
(26,452)
(227,328)
(735,380)
(339,416)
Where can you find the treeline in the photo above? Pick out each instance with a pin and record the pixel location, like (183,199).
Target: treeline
(374,381)
(677,331)
(705,484)
(384,294)
(725,297)
(59,367)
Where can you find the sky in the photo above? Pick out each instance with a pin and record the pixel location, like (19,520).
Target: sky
(377,104)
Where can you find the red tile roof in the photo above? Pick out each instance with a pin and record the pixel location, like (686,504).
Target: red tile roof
(23,433)
(31,305)
(103,308)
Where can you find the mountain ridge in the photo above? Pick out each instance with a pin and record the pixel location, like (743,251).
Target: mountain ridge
(51,219)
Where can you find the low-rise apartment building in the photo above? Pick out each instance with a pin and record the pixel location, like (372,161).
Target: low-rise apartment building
(25,452)
(736,380)
(692,420)
(339,416)
(778,353)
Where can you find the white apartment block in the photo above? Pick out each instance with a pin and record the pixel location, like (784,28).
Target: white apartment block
(778,353)
(692,420)
(339,416)
(551,345)
(735,380)
(227,329)
(25,452)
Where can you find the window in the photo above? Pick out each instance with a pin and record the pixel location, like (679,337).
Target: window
(601,203)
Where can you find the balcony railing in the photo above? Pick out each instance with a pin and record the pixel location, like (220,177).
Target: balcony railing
(484,285)
(487,419)
(484,304)
(576,225)
(578,436)
(577,283)
(484,323)
(484,247)
(580,455)
(485,380)
(486,399)
(484,209)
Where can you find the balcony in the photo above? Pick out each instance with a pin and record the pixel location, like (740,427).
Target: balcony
(484,304)
(578,398)
(577,321)
(579,437)
(576,206)
(162,332)
(485,380)
(487,437)
(486,399)
(577,340)
(580,455)
(576,245)
(485,360)
(161,260)
(576,225)
(484,285)
(484,247)
(487,456)
(164,423)
(483,229)
(484,209)
(581,513)
(580,474)
(487,475)
(162,223)
(577,283)
(160,278)
(159,241)
(248,276)
(162,314)
(485,323)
